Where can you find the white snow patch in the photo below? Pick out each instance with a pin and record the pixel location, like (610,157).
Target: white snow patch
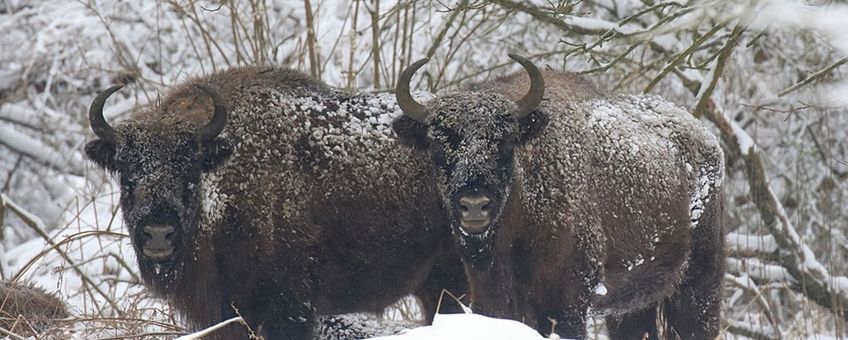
(746,243)
(759,270)
(746,143)
(600,289)
(214,201)
(707,178)
(638,261)
(468,326)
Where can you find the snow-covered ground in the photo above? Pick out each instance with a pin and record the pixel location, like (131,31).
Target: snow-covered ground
(468,326)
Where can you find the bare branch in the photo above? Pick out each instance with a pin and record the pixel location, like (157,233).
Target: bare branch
(39,227)
(820,74)
(705,93)
(746,330)
(39,152)
(798,259)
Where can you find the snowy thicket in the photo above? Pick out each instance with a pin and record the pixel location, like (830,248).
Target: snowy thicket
(768,76)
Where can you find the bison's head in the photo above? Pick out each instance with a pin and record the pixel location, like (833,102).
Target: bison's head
(159,162)
(471,138)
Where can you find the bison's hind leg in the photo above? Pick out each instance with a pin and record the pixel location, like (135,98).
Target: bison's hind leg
(694,311)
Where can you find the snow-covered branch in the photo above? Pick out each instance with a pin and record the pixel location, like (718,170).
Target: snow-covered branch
(751,244)
(813,278)
(760,270)
(716,69)
(38,151)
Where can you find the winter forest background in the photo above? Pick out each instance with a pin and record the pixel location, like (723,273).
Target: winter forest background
(767,76)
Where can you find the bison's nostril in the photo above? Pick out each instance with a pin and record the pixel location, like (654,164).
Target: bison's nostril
(474,207)
(463,206)
(158,232)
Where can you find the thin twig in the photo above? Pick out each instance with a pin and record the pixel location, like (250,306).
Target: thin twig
(312,41)
(705,94)
(745,283)
(813,77)
(145,335)
(746,331)
(374,10)
(10,334)
(38,226)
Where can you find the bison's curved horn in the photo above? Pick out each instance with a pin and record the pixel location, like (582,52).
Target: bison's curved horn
(409,106)
(95,115)
(537,87)
(219,117)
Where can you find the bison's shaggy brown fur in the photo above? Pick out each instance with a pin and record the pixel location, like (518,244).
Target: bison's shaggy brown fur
(585,200)
(302,205)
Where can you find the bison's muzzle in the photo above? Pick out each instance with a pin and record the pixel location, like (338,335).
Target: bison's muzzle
(158,241)
(475,217)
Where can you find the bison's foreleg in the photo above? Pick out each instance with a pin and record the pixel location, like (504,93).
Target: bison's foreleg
(279,315)
(638,325)
(447,274)
(571,317)
(493,291)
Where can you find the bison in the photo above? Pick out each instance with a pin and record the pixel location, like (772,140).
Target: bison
(563,198)
(259,191)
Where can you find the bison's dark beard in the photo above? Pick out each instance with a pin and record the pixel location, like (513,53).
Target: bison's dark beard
(476,249)
(162,275)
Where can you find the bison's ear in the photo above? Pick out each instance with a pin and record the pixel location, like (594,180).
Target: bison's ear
(411,132)
(101,153)
(531,125)
(215,152)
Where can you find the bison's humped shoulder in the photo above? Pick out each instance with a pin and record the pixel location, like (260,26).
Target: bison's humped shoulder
(261,129)
(354,131)
(345,130)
